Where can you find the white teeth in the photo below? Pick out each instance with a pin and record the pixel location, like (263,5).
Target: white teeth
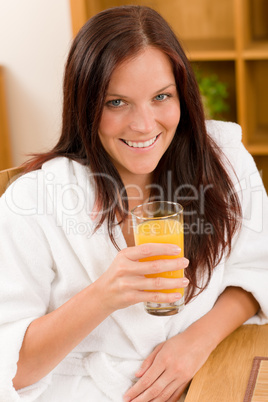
(140,144)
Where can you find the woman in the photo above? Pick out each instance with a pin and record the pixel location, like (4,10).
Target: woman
(72,286)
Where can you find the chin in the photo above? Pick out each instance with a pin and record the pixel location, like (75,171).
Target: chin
(143,170)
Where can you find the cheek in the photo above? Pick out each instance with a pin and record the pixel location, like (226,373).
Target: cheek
(175,120)
(172,116)
(105,124)
(111,125)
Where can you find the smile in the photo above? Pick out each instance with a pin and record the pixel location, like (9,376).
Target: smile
(145,144)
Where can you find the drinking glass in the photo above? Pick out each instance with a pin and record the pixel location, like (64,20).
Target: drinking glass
(161,222)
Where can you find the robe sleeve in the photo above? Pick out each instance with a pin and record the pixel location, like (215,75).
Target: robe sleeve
(247,266)
(26,267)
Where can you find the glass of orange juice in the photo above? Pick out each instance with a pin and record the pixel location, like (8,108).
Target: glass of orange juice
(161,222)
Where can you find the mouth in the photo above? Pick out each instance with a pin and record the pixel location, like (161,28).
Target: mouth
(146,144)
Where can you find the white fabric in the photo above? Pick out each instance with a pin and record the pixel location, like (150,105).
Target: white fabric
(48,254)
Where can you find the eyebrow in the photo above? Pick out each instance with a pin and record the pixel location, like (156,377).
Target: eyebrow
(166,87)
(159,90)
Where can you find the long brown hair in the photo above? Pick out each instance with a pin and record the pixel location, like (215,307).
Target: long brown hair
(192,161)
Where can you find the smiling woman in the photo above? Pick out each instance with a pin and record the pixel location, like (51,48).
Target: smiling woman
(73,283)
(137,127)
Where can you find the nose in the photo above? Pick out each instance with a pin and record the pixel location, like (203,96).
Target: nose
(143,120)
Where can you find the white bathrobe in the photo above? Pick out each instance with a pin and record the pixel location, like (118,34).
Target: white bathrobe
(48,254)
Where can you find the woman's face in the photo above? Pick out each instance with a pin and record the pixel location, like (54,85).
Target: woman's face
(141,113)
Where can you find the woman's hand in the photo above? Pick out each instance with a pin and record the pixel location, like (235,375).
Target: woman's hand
(124,283)
(165,374)
(167,371)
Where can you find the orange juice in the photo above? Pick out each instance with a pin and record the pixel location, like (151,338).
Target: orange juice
(162,231)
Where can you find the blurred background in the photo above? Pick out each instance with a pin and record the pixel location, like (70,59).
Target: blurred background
(226,41)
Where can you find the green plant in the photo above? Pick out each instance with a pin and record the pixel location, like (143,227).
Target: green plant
(214,95)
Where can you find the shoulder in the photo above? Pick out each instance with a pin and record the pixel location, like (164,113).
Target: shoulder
(224,134)
(238,161)
(64,170)
(227,136)
(59,170)
(55,179)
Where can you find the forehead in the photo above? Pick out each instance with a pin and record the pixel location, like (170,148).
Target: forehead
(149,66)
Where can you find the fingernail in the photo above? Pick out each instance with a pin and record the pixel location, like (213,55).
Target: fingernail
(176,249)
(185,281)
(185,262)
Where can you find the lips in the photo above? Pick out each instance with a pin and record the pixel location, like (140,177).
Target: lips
(146,144)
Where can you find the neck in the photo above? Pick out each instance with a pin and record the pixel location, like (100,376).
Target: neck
(138,192)
(137,187)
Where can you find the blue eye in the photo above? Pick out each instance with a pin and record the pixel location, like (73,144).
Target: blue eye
(161,97)
(115,103)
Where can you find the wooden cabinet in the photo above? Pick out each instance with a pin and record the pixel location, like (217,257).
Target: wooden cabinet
(227,37)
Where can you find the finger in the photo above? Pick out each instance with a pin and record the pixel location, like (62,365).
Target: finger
(148,361)
(157,266)
(162,265)
(160,390)
(177,394)
(158,297)
(143,384)
(166,393)
(160,283)
(150,250)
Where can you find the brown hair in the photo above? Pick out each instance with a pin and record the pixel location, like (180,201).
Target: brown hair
(193,159)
